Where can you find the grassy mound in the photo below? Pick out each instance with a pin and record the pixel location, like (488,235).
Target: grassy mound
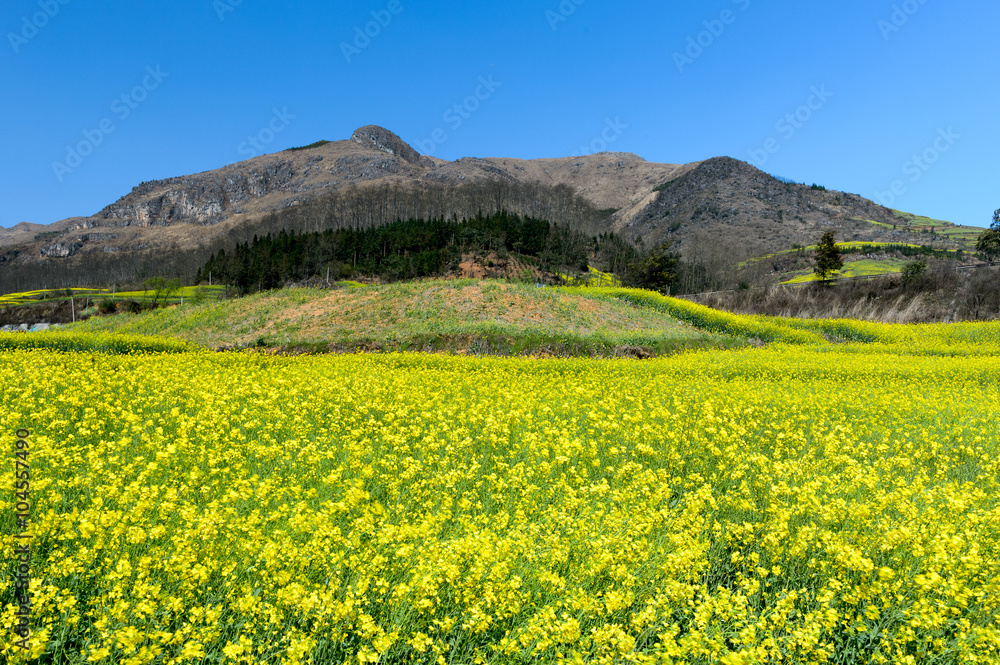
(463,316)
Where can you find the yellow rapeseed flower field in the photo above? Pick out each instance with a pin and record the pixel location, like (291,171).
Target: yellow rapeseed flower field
(802,503)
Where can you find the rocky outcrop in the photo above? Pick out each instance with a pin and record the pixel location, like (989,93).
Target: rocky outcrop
(365,167)
(730,199)
(202,199)
(379,138)
(61,250)
(722,204)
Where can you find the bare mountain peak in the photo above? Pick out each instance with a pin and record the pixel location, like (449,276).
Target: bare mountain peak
(379,138)
(625,156)
(719,198)
(727,166)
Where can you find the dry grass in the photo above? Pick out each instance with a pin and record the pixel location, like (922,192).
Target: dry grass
(490,317)
(939,296)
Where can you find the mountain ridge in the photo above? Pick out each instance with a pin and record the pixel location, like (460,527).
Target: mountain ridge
(641,200)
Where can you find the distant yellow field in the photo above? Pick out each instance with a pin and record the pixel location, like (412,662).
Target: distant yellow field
(189,292)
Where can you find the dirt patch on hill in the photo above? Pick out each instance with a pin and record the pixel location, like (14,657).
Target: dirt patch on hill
(60,311)
(408,311)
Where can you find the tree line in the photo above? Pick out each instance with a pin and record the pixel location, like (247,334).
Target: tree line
(409,249)
(364,206)
(989,240)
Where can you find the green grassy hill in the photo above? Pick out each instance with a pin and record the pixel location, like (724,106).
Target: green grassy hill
(478,318)
(460,316)
(861,259)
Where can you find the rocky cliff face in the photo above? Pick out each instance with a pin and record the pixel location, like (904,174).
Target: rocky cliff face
(201,199)
(271,182)
(722,200)
(61,249)
(373,136)
(732,200)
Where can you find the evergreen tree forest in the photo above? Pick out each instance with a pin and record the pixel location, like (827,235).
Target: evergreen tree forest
(409,249)
(352,207)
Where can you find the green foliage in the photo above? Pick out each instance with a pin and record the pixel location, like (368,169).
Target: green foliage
(818,188)
(913,270)
(657,272)
(465,315)
(406,250)
(526,276)
(317,144)
(106,306)
(899,248)
(989,241)
(828,257)
(162,288)
(667,184)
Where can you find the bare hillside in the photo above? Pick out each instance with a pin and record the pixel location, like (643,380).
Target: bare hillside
(167,225)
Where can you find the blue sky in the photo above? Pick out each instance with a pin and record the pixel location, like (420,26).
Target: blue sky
(894,100)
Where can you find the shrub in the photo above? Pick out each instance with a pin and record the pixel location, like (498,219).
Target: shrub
(527,276)
(107,306)
(913,270)
(828,257)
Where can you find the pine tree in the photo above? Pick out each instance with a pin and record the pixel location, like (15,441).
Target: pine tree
(658,271)
(989,241)
(828,257)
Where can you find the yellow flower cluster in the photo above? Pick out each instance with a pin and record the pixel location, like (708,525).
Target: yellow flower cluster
(791,504)
(72,341)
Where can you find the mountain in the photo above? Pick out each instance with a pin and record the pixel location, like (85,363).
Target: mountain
(722,199)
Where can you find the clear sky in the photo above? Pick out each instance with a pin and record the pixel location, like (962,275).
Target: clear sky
(865,96)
